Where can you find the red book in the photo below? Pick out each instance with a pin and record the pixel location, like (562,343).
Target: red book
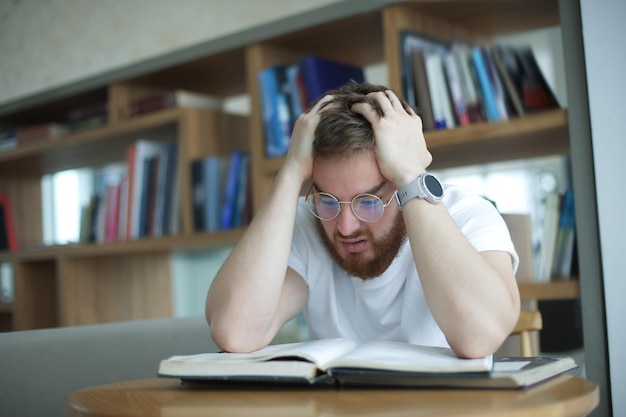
(40,132)
(8,237)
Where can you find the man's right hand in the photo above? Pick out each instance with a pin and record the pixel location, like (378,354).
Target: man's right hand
(299,160)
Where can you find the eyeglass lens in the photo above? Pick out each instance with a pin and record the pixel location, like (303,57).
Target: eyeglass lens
(366,207)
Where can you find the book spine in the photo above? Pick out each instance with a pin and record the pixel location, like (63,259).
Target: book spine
(485,84)
(454,81)
(150,104)
(198,195)
(433,71)
(422,94)
(272,114)
(512,93)
(213,180)
(230,191)
(496,84)
(8,235)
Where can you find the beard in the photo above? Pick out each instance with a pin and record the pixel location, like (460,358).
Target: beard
(385,250)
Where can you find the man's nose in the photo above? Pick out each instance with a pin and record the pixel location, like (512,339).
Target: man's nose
(347,222)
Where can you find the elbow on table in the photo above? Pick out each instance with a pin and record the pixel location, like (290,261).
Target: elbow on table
(230,339)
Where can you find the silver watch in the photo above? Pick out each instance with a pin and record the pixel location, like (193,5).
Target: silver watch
(426,186)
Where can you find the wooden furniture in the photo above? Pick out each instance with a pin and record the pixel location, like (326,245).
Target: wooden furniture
(131,280)
(529,321)
(564,396)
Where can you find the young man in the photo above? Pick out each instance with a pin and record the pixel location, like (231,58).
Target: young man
(377,249)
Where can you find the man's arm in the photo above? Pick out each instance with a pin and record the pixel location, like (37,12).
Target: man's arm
(473,296)
(254,293)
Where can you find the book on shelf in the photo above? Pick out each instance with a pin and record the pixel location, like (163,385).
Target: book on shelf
(320,75)
(528,87)
(89,116)
(453,74)
(536,92)
(43,131)
(442,108)
(8,234)
(549,230)
(417,82)
(287,89)
(422,100)
(207,178)
(471,99)
(171,99)
(565,236)
(508,69)
(135,198)
(340,362)
(221,191)
(275,110)
(8,139)
(486,87)
(482,82)
(496,84)
(229,195)
(166,175)
(140,153)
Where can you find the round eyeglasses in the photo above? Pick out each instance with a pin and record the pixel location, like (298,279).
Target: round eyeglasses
(366,207)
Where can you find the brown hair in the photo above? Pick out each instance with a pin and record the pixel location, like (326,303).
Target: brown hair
(342,132)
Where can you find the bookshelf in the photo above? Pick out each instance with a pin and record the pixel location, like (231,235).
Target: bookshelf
(83,284)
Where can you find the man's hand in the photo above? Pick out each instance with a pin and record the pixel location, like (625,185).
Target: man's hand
(300,155)
(401,148)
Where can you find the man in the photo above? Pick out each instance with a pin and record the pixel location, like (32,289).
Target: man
(428,272)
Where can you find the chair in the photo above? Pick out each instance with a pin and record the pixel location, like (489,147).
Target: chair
(529,321)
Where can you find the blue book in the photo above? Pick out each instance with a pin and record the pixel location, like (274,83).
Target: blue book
(242,191)
(485,85)
(320,75)
(211,172)
(230,191)
(564,247)
(275,113)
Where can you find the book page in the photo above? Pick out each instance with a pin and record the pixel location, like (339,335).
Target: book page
(318,352)
(403,357)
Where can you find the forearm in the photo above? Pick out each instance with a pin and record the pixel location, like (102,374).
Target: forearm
(473,296)
(244,298)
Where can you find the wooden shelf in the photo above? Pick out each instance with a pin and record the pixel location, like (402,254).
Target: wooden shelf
(198,241)
(94,147)
(567,289)
(539,134)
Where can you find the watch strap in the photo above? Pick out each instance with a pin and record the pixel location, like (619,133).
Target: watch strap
(426,186)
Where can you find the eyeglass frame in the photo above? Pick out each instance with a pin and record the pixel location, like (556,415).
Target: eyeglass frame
(339,203)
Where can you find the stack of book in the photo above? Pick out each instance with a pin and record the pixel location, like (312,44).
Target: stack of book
(135,199)
(87,117)
(40,132)
(170,99)
(556,258)
(287,90)
(456,85)
(221,192)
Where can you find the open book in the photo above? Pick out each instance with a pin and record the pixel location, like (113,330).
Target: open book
(376,363)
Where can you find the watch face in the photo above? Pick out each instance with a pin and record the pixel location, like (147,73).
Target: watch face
(433,185)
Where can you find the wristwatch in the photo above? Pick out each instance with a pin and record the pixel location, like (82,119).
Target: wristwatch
(426,186)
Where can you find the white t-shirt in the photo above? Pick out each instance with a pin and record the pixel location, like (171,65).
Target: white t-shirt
(392,306)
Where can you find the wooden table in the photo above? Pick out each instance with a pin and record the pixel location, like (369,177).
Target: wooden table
(563,396)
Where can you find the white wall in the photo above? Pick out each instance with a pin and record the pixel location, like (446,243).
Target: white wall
(45,44)
(603,35)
